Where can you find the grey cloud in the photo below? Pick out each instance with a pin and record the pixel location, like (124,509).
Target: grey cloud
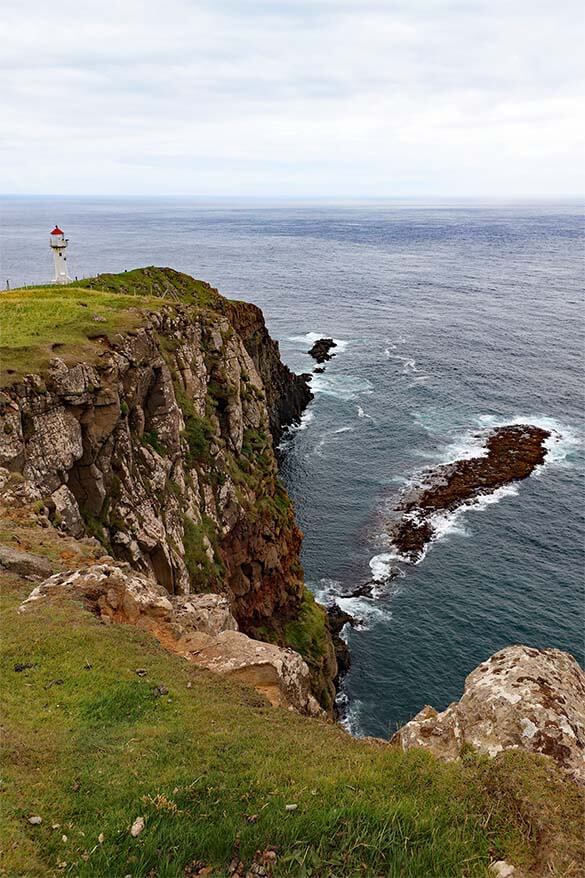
(332,95)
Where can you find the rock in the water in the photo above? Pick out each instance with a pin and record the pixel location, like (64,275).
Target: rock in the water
(321,348)
(337,619)
(511,453)
(520,698)
(24,563)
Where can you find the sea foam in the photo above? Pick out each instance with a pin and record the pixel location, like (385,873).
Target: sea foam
(311,337)
(345,387)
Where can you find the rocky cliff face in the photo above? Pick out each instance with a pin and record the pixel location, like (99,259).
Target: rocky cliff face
(161,446)
(287,394)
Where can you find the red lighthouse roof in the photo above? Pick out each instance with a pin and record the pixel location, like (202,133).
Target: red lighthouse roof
(57,231)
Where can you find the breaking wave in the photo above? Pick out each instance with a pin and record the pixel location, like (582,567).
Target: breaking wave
(311,337)
(346,387)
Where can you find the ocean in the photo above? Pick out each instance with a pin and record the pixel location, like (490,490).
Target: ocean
(449,317)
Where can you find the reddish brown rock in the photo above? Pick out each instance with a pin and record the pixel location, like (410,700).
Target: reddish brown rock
(511,453)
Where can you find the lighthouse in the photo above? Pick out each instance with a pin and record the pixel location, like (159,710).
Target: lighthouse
(58,243)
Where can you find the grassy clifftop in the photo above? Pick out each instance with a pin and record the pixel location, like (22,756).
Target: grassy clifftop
(90,745)
(72,321)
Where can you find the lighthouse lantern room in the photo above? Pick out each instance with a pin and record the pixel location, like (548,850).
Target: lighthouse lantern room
(58,243)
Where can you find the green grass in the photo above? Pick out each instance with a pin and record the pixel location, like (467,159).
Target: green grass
(98,749)
(160,282)
(47,321)
(308,634)
(38,324)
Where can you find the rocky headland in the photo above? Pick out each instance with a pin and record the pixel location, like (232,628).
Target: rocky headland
(520,698)
(172,681)
(511,453)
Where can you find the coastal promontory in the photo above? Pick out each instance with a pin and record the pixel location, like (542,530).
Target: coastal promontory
(169,681)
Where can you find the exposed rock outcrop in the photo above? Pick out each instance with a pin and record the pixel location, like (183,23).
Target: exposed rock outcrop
(321,350)
(337,619)
(279,674)
(287,394)
(199,627)
(511,453)
(24,564)
(163,450)
(520,698)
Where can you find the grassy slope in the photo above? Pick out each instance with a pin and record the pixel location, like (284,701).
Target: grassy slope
(91,753)
(42,322)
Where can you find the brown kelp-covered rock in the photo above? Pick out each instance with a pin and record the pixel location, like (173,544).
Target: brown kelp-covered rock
(511,453)
(520,698)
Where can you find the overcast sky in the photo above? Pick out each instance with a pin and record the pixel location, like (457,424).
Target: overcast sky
(303,97)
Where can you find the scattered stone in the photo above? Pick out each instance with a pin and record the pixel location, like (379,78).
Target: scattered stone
(321,348)
(502,869)
(137,827)
(252,818)
(99,318)
(141,672)
(23,666)
(318,370)
(291,807)
(159,691)
(24,563)
(194,868)
(35,821)
(520,698)
(76,786)
(101,838)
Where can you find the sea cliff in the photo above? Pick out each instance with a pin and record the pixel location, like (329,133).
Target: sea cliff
(159,442)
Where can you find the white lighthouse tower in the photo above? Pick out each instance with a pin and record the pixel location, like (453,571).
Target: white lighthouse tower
(58,243)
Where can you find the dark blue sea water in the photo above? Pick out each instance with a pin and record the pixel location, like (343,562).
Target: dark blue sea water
(450,317)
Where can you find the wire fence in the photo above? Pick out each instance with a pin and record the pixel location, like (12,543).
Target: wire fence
(9,285)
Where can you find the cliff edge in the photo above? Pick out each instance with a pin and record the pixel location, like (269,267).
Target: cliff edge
(153,431)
